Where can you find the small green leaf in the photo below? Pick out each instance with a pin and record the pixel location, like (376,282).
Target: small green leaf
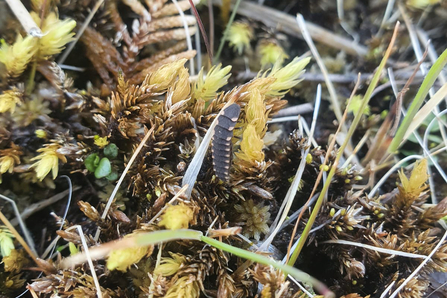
(73,249)
(6,242)
(91,162)
(112,176)
(104,168)
(111,151)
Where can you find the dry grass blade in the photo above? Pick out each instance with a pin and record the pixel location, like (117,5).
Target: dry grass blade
(187,34)
(426,86)
(31,209)
(386,16)
(123,175)
(426,110)
(330,86)
(88,259)
(287,23)
(378,249)
(290,196)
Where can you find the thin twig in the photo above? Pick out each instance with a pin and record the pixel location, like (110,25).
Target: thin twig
(202,29)
(295,110)
(211,20)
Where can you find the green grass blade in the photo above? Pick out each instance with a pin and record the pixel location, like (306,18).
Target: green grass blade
(298,274)
(227,29)
(353,127)
(426,85)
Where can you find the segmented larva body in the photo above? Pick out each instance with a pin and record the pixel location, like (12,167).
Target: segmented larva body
(221,145)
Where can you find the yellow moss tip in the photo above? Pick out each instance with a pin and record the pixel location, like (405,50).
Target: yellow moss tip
(239,36)
(164,77)
(6,164)
(48,161)
(169,265)
(416,184)
(100,142)
(287,76)
(185,286)
(309,158)
(177,217)
(17,56)
(216,78)
(182,88)
(9,99)
(40,133)
(9,158)
(256,112)
(122,259)
(251,146)
(271,53)
(56,34)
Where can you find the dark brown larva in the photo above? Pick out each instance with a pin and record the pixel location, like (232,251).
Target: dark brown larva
(221,145)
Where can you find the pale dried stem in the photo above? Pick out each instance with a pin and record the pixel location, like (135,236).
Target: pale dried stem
(24,18)
(88,259)
(375,248)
